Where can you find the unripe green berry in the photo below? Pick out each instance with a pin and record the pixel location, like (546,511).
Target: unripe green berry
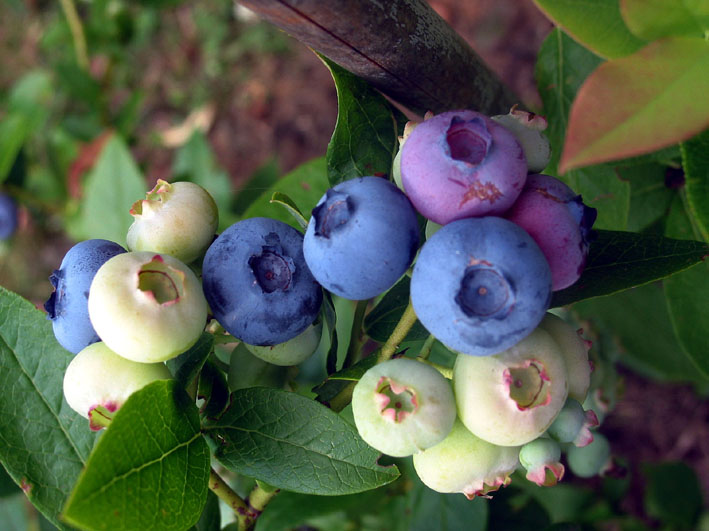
(465,463)
(575,352)
(147,307)
(403,406)
(542,460)
(293,351)
(511,398)
(527,128)
(573,424)
(590,460)
(178,219)
(98,377)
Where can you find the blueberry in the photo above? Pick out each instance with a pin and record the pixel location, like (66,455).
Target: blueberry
(8,216)
(480,285)
(67,306)
(257,283)
(460,164)
(361,238)
(556,218)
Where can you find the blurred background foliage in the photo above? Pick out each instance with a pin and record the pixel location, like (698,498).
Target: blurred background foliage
(92,114)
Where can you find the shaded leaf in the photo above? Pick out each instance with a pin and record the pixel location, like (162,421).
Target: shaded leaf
(305,185)
(296,444)
(673,494)
(602,188)
(598,25)
(665,18)
(695,160)
(213,389)
(365,139)
(337,381)
(650,199)
(149,470)
(687,294)
(282,199)
(185,367)
(639,103)
(381,321)
(621,260)
(211,519)
(33,409)
(111,188)
(261,180)
(638,318)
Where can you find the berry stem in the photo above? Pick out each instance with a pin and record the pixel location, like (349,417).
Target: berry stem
(245,514)
(426,348)
(407,321)
(77,33)
(356,334)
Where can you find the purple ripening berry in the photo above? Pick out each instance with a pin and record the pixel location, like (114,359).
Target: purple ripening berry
(556,218)
(460,164)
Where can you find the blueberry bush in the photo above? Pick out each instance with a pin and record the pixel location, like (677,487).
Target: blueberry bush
(419,329)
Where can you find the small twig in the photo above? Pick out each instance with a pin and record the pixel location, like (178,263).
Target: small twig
(77,33)
(426,348)
(403,327)
(244,514)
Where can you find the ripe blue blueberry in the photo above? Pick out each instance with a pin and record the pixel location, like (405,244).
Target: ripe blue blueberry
(361,238)
(257,283)
(8,216)
(460,164)
(480,285)
(67,307)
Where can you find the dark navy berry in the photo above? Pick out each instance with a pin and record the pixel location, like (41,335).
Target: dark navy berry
(8,217)
(257,283)
(362,236)
(67,306)
(480,285)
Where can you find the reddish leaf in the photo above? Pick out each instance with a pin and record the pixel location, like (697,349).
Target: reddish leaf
(640,103)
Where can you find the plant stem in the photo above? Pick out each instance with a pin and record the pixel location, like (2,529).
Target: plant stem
(426,348)
(260,496)
(405,324)
(77,33)
(244,514)
(352,356)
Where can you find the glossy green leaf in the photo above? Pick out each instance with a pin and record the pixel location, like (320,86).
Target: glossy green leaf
(597,25)
(381,321)
(673,494)
(33,410)
(639,103)
(365,139)
(305,185)
(211,519)
(296,444)
(655,19)
(286,202)
(695,160)
(337,381)
(639,321)
(195,162)
(149,470)
(687,295)
(621,260)
(562,66)
(111,188)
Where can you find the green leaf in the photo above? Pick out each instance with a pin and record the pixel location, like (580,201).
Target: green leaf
(14,130)
(673,494)
(111,188)
(246,370)
(280,198)
(639,103)
(665,18)
(621,260)
(149,470)
(337,381)
(213,389)
(597,25)
(34,414)
(296,444)
(650,199)
(638,318)
(185,367)
(602,188)
(305,186)
(195,162)
(365,139)
(211,518)
(262,179)
(686,295)
(381,321)
(695,160)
